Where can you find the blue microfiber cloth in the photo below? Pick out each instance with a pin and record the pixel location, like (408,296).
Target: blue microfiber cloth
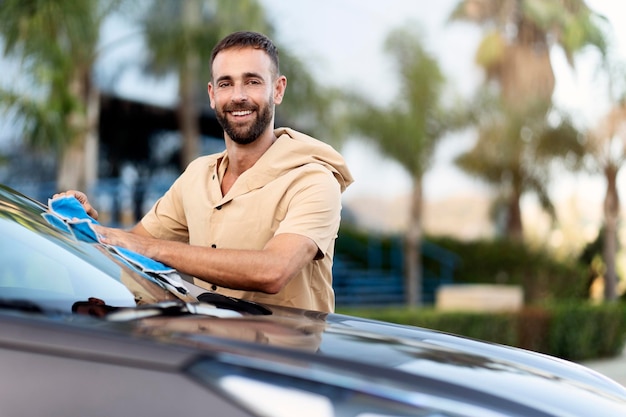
(68,213)
(57,222)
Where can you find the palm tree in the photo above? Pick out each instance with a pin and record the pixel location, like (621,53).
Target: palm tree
(514,153)
(607,147)
(56,42)
(408,131)
(180,36)
(516,142)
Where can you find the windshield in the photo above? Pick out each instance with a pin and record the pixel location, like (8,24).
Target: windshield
(37,269)
(46,265)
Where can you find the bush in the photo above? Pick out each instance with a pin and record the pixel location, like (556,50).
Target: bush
(585,331)
(542,277)
(533,329)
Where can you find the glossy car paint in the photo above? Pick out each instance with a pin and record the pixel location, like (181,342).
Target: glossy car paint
(165,359)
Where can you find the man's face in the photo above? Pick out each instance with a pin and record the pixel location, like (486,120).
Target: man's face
(243,93)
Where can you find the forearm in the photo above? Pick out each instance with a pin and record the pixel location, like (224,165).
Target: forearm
(267,270)
(236,269)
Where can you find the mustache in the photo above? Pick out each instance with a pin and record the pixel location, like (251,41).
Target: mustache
(239,107)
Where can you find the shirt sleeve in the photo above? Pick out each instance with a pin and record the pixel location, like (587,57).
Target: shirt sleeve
(166,219)
(314,210)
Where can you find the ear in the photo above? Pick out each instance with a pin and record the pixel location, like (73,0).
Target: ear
(280,85)
(211,95)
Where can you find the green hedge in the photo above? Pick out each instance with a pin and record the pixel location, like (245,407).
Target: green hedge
(543,278)
(574,331)
(586,331)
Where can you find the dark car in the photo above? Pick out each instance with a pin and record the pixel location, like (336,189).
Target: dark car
(84,332)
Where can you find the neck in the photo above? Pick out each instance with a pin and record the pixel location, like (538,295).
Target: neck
(242,157)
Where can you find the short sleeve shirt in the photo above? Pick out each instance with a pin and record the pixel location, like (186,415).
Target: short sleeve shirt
(263,202)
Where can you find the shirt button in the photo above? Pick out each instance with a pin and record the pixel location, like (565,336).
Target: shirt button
(214,287)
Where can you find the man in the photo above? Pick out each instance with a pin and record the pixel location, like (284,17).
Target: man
(259,220)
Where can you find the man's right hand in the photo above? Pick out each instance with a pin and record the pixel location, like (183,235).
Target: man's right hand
(82,198)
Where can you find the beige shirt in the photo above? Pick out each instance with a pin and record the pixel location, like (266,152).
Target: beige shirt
(295,187)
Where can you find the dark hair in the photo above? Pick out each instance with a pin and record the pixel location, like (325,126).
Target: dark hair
(247,40)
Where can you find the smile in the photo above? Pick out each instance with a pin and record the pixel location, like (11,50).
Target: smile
(241,113)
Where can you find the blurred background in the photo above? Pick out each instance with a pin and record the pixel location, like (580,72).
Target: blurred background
(486,137)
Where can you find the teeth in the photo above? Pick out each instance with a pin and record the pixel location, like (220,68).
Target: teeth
(241,113)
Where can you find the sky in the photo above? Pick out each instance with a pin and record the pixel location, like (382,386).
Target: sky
(342,41)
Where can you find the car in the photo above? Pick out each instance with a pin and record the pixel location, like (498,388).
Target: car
(86,332)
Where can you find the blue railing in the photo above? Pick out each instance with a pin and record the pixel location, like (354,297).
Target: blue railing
(370,273)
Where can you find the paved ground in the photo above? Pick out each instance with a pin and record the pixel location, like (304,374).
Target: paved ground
(614,368)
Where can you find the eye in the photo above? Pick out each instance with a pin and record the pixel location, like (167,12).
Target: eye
(223,84)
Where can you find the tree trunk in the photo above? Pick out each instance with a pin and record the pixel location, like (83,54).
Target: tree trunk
(514,225)
(78,168)
(70,175)
(609,248)
(412,247)
(527,77)
(92,140)
(188,113)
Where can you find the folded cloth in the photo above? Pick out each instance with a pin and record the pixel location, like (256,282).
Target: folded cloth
(67,212)
(58,223)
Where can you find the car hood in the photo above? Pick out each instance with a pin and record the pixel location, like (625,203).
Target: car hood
(414,359)
(424,358)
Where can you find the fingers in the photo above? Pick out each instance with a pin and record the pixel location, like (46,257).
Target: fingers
(114,237)
(100,233)
(82,199)
(80,196)
(109,236)
(131,241)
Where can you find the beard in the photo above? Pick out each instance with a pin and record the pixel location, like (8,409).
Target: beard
(245,134)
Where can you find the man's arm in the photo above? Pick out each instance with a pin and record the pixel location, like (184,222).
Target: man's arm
(267,270)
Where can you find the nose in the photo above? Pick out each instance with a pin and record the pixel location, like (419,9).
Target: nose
(239,93)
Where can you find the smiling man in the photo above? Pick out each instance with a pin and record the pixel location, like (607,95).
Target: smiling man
(259,220)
